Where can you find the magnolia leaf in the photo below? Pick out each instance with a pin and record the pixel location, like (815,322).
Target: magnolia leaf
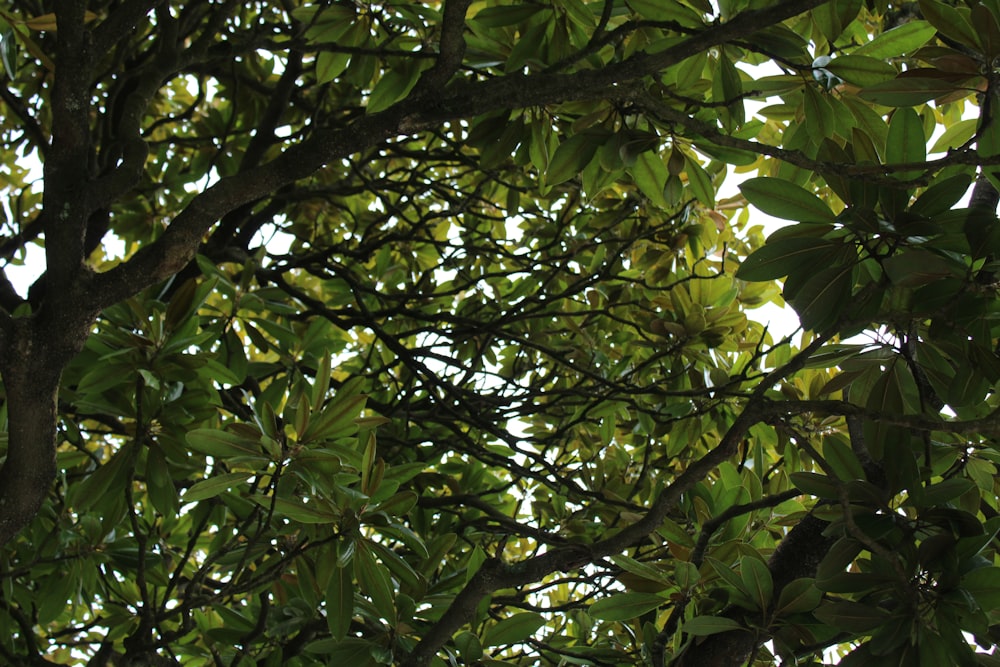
(625,606)
(816,484)
(699,181)
(861,70)
(702,626)
(513,629)
(223,444)
(910,91)
(951,22)
(798,596)
(896,42)
(394,85)
(572,156)
(339,602)
(851,616)
(785,200)
(915,267)
(823,296)
(374,581)
(905,142)
(650,174)
(958,134)
(942,196)
(757,579)
(213,486)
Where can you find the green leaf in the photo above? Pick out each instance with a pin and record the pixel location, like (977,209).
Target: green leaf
(842,459)
(650,174)
(778,258)
(942,196)
(469,647)
(351,651)
(785,200)
(898,41)
(223,444)
(905,142)
(861,70)
(109,479)
(823,297)
(951,22)
(213,486)
(819,118)
(851,616)
(815,484)
(571,157)
(337,418)
(374,581)
(941,493)
(330,65)
(513,629)
(394,85)
(625,606)
(955,135)
(403,571)
(665,11)
(757,579)
(727,87)
(8,52)
(984,585)
(644,570)
(702,626)
(798,596)
(339,602)
(699,181)
(734,580)
(297,511)
(160,483)
(909,91)
(916,267)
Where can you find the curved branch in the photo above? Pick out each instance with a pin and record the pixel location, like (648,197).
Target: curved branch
(503,575)
(177,246)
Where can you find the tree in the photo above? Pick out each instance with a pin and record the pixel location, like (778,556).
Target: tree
(377,333)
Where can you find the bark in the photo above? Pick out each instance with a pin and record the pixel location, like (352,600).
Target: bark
(31,373)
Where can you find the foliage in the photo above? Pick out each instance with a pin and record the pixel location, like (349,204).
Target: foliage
(386,333)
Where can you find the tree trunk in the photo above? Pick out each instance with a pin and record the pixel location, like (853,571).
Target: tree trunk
(30,467)
(33,354)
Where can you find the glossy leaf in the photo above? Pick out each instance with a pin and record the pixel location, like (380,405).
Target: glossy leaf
(213,486)
(785,200)
(703,626)
(910,91)
(899,41)
(862,70)
(905,142)
(798,596)
(513,629)
(951,22)
(780,257)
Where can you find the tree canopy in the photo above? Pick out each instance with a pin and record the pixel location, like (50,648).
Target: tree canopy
(379,333)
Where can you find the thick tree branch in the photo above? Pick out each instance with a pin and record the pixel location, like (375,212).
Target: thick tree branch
(451,46)
(66,167)
(179,243)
